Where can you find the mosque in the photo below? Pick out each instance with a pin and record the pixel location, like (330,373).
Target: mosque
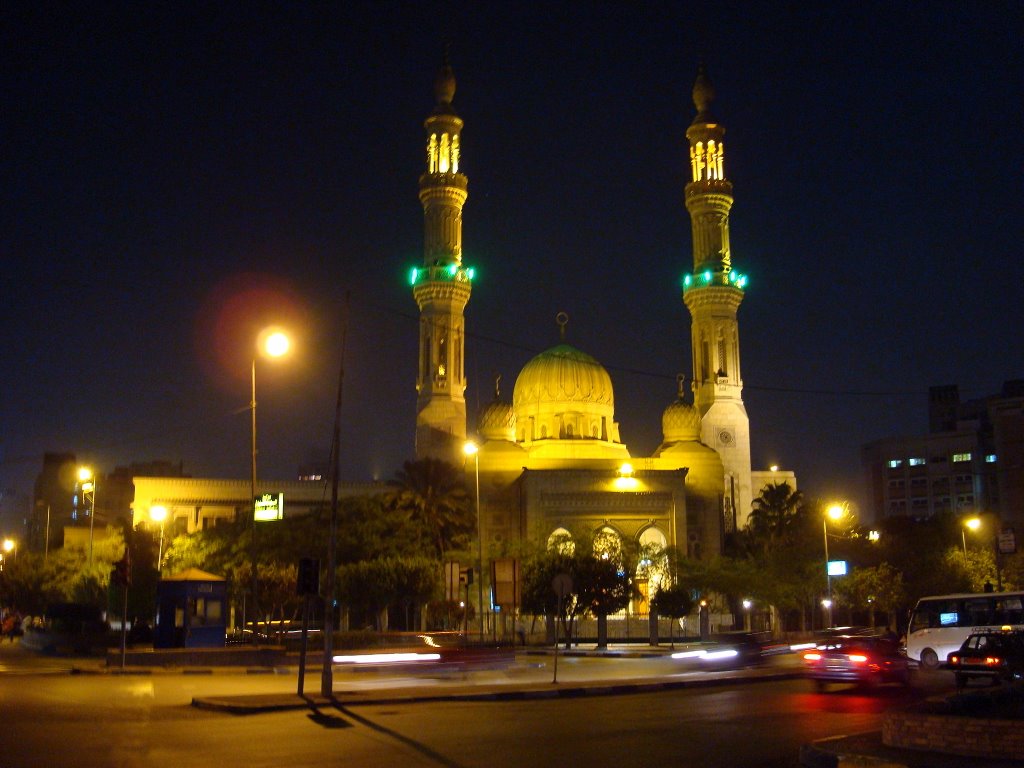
(551,462)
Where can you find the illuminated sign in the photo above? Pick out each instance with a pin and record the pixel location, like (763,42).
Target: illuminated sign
(836,567)
(269,506)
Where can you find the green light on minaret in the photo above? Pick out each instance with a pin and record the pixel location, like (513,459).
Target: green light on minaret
(453,269)
(687,279)
(471,273)
(414,273)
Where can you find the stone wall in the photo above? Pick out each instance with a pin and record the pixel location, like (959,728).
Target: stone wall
(956,735)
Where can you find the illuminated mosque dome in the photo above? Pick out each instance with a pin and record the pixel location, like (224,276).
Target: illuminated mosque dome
(497,421)
(563,377)
(681,420)
(565,395)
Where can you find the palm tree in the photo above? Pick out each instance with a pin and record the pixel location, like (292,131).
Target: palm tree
(432,494)
(773,514)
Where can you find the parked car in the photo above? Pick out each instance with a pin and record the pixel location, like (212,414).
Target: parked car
(995,654)
(861,659)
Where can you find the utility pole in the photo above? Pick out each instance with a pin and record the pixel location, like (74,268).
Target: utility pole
(327,675)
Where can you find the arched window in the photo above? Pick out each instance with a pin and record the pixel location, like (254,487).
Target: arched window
(651,567)
(608,544)
(561,541)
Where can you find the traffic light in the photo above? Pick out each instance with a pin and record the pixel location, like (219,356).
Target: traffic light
(122,573)
(308,582)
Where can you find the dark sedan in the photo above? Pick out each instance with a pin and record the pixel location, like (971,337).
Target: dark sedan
(996,655)
(859,659)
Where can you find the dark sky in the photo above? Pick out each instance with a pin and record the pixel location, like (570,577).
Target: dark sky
(173,175)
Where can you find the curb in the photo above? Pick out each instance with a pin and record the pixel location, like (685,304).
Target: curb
(815,755)
(252,705)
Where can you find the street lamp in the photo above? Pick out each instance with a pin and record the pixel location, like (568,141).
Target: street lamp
(8,547)
(472,449)
(88,485)
(158,514)
(272,343)
(974,524)
(836,511)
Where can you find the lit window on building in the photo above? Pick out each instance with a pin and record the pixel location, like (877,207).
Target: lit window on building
(961,457)
(990,458)
(893,463)
(917,462)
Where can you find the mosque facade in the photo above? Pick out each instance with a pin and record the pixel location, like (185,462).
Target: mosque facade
(551,462)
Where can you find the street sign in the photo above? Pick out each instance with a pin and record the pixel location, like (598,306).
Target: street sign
(505,581)
(451,580)
(836,567)
(268,506)
(1007,541)
(562,585)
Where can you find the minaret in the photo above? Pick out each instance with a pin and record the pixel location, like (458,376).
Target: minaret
(442,285)
(713,293)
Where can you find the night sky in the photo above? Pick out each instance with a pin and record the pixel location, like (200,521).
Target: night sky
(175,176)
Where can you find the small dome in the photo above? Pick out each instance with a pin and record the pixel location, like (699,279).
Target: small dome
(497,421)
(680,422)
(563,376)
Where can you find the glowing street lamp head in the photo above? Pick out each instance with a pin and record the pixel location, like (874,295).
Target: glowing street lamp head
(274,343)
(84,473)
(973,523)
(8,545)
(836,511)
(470,448)
(158,513)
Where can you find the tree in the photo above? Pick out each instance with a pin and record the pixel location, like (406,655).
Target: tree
(870,589)
(676,602)
(602,588)
(370,587)
(432,494)
(773,515)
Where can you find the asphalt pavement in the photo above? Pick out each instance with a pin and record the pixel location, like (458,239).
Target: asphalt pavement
(584,671)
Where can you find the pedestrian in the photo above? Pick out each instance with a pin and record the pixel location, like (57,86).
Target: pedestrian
(10,623)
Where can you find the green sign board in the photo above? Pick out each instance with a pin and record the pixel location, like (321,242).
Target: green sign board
(269,506)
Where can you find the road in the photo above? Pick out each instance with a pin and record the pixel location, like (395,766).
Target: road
(50,718)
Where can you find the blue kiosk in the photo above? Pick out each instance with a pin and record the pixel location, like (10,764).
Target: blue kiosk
(191,610)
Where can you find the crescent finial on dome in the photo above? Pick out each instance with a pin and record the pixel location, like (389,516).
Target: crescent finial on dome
(703,95)
(444,83)
(562,318)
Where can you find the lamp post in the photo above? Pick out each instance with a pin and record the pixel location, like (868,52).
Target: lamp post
(835,511)
(472,449)
(158,514)
(973,523)
(273,343)
(88,484)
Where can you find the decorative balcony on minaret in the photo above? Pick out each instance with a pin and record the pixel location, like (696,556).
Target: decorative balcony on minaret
(442,285)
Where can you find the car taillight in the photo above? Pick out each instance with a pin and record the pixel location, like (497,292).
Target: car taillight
(993,661)
(812,656)
(954,659)
(858,657)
